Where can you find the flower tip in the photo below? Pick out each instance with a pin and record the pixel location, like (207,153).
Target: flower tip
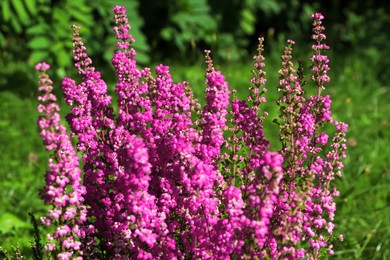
(289,41)
(162,70)
(318,16)
(341,126)
(42,66)
(119,9)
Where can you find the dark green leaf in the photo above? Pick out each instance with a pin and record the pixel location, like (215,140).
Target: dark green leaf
(40,42)
(16,25)
(166,34)
(271,6)
(41,28)
(61,16)
(63,31)
(187,36)
(246,27)
(80,6)
(63,59)
(6,10)
(142,58)
(208,23)
(38,56)
(58,46)
(31,6)
(248,16)
(21,12)
(81,17)
(2,40)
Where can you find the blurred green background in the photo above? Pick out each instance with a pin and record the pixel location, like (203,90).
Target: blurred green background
(176,32)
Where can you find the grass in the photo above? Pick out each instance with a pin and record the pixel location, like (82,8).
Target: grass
(359,99)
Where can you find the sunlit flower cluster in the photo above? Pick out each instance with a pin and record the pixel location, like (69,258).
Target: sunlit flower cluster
(164,178)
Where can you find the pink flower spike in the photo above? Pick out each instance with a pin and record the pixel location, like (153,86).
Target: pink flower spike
(42,66)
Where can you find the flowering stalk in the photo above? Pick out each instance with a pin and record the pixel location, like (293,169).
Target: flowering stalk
(213,118)
(247,122)
(306,208)
(63,189)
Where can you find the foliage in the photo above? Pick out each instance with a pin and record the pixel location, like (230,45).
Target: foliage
(22,162)
(189,23)
(373,35)
(186,27)
(27,23)
(36,245)
(6,256)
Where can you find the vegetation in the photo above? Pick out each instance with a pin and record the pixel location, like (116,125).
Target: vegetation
(359,90)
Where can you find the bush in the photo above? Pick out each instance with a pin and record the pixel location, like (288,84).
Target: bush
(25,25)
(164,178)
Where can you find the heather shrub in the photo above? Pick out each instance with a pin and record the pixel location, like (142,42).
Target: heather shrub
(160,176)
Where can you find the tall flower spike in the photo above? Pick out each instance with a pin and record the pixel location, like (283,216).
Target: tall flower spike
(91,120)
(262,198)
(248,121)
(82,61)
(258,79)
(214,113)
(305,210)
(134,108)
(320,61)
(291,101)
(63,189)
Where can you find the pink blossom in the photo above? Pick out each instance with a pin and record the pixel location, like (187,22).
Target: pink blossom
(165,179)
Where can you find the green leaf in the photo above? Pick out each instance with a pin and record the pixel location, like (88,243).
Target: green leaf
(79,6)
(41,28)
(16,25)
(21,12)
(2,40)
(58,46)
(142,58)
(38,56)
(187,36)
(166,34)
(248,28)
(271,6)
(40,42)
(63,31)
(63,59)
(61,16)
(6,10)
(181,19)
(140,43)
(60,72)
(31,6)
(9,221)
(248,16)
(208,23)
(81,17)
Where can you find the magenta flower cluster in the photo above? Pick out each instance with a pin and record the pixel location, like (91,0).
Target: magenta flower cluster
(164,178)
